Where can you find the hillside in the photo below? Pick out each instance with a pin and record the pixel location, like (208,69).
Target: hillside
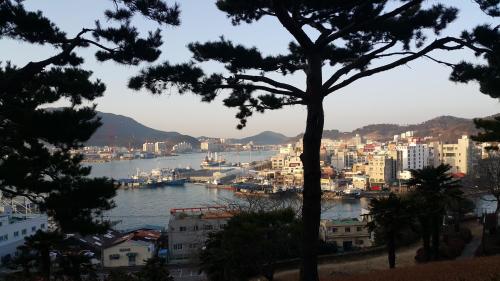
(444,128)
(266,137)
(120,130)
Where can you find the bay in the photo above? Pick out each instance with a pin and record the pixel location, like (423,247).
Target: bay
(143,207)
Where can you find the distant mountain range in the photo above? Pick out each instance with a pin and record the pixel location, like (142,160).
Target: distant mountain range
(119,130)
(124,131)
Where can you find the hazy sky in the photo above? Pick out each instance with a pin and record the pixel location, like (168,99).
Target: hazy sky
(409,94)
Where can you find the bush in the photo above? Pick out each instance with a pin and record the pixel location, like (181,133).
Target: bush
(452,249)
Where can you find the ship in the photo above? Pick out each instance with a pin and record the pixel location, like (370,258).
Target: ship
(215,162)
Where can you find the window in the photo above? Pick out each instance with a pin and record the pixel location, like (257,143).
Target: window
(207,227)
(195,228)
(359,242)
(4,237)
(42,226)
(359,228)
(182,228)
(177,246)
(114,257)
(23,232)
(16,233)
(222,225)
(334,229)
(33,229)
(347,229)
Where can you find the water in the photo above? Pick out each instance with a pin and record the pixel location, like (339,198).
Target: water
(140,207)
(127,168)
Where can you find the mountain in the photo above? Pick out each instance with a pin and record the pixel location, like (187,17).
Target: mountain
(266,137)
(119,130)
(443,128)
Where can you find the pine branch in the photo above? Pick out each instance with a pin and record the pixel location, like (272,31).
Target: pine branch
(296,91)
(356,26)
(358,63)
(438,44)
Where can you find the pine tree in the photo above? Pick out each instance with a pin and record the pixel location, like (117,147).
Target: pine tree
(36,144)
(355,39)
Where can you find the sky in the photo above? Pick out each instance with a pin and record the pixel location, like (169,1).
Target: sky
(410,94)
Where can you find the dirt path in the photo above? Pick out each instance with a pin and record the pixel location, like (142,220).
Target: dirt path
(404,257)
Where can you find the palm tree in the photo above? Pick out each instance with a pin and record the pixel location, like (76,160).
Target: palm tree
(390,216)
(435,188)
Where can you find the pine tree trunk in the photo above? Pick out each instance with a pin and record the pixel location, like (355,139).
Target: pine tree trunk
(45,263)
(436,227)
(426,238)
(391,251)
(311,205)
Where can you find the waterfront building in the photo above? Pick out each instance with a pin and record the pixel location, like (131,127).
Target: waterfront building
(148,147)
(14,227)
(188,229)
(159,148)
(182,147)
(346,234)
(211,146)
(360,181)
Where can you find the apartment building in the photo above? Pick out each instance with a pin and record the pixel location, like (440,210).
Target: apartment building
(381,170)
(460,156)
(188,229)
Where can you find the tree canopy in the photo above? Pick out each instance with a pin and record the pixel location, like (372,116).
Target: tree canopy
(36,144)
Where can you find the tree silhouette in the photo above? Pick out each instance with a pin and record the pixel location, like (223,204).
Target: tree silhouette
(390,216)
(355,39)
(487,75)
(36,144)
(434,188)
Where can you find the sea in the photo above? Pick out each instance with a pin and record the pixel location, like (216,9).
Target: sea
(150,207)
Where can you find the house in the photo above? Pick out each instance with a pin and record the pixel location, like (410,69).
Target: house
(346,234)
(132,249)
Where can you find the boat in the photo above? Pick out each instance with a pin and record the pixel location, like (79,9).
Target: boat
(215,162)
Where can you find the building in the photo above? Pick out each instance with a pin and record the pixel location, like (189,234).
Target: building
(278,161)
(460,156)
(148,147)
(14,227)
(346,234)
(211,146)
(415,156)
(132,249)
(182,147)
(160,148)
(381,170)
(188,228)
(360,181)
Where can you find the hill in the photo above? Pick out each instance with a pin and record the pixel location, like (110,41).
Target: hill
(266,137)
(120,130)
(444,128)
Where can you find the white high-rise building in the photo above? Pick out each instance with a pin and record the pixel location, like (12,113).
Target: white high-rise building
(415,156)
